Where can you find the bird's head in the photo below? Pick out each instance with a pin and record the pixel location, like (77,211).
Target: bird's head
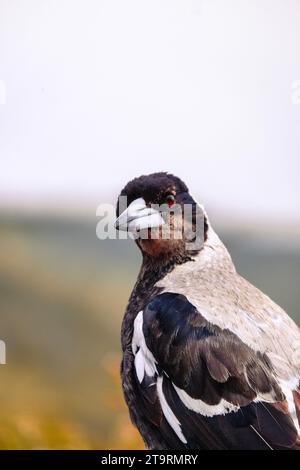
(162,215)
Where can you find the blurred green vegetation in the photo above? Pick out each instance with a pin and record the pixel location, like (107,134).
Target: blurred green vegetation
(62,296)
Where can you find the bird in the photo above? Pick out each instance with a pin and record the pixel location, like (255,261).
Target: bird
(208,360)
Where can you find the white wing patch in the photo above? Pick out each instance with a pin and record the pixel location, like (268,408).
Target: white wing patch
(287,388)
(144,361)
(203,408)
(168,413)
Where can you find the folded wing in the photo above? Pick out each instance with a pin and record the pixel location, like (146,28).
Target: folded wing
(201,387)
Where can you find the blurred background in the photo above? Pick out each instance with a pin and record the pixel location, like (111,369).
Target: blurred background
(92,94)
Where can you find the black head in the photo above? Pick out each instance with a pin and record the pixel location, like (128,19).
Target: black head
(154,188)
(145,193)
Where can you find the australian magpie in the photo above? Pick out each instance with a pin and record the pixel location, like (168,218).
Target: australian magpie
(209,361)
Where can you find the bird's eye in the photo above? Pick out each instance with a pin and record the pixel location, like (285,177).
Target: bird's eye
(170,199)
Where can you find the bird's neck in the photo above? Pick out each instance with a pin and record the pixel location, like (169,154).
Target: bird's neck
(212,256)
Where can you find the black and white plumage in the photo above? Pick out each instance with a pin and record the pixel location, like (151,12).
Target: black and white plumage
(209,361)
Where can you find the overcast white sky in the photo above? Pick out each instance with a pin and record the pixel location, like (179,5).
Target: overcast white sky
(100,91)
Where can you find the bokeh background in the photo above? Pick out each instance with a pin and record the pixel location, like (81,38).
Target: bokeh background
(93,93)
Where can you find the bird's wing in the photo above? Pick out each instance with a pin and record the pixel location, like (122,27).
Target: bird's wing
(203,387)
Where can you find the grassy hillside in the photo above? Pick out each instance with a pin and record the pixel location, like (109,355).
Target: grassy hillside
(62,296)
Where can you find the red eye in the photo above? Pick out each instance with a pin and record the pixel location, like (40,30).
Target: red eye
(170,199)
